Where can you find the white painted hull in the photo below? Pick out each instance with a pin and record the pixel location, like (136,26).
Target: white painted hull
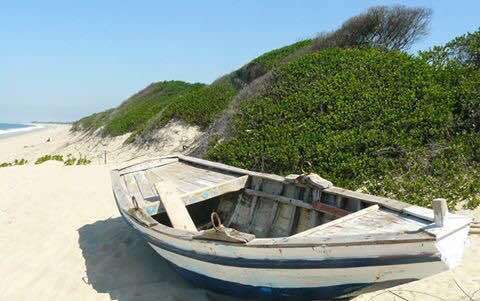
(359,269)
(372,243)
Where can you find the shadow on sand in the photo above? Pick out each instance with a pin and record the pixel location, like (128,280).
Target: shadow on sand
(119,262)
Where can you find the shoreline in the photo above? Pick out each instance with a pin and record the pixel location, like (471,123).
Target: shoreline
(30,127)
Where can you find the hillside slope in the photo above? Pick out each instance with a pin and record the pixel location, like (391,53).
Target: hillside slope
(381,120)
(196,104)
(133,114)
(370,118)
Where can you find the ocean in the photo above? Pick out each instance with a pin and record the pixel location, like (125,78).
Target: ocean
(12,128)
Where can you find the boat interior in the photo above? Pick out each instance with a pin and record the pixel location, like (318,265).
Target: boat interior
(183,193)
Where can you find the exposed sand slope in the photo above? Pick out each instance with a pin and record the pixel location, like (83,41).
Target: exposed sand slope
(176,136)
(61,238)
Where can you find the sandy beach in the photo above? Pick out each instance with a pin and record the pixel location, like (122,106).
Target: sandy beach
(62,237)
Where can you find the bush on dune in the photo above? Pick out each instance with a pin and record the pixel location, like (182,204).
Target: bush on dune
(134,113)
(368,118)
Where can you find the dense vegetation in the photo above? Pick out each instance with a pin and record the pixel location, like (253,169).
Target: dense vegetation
(133,114)
(370,118)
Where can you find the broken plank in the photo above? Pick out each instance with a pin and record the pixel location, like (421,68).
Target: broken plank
(332,210)
(213,191)
(176,210)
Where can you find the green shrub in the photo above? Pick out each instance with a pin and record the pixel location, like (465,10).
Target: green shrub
(20,162)
(133,114)
(463,50)
(92,122)
(274,58)
(15,162)
(200,106)
(364,118)
(83,161)
(46,158)
(70,160)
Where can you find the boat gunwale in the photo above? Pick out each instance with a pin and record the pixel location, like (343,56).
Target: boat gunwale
(288,241)
(293,243)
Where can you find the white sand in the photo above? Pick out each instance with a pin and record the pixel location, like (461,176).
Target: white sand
(61,236)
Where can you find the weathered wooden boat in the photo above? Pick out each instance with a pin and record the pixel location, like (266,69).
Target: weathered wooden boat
(252,234)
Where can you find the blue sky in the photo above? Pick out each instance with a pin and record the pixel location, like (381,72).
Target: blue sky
(61,60)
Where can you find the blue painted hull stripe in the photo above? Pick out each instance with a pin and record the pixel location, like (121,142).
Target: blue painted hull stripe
(291,263)
(300,293)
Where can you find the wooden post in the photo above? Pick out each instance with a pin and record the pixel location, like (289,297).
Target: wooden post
(105,157)
(440,211)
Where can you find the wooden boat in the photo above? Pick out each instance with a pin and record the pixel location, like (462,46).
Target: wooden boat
(251,234)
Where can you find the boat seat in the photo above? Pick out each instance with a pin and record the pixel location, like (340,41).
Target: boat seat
(175,207)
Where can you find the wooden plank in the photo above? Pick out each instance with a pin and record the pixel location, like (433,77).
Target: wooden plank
(279,198)
(304,220)
(338,221)
(306,216)
(120,191)
(271,219)
(142,217)
(260,224)
(332,210)
(207,174)
(132,188)
(148,165)
(146,188)
(367,198)
(370,199)
(238,218)
(339,201)
(257,184)
(175,208)
(213,191)
(299,203)
(291,191)
(215,165)
(231,169)
(347,240)
(420,212)
(157,175)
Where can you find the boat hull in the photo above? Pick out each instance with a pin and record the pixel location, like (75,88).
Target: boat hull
(380,242)
(238,289)
(291,276)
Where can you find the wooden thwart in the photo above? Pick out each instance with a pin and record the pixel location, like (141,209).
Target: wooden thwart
(213,191)
(335,211)
(175,208)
